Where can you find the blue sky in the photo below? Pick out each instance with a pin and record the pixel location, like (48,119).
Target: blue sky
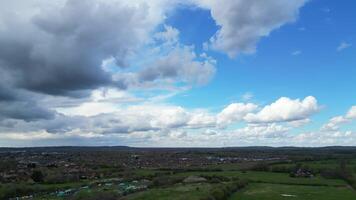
(178,73)
(273,71)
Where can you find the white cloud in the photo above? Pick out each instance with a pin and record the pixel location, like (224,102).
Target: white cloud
(343,45)
(108,117)
(247,96)
(209,132)
(178,134)
(243,23)
(201,119)
(351,114)
(234,112)
(170,35)
(296,53)
(141,121)
(261,131)
(299,123)
(335,122)
(285,110)
(324,138)
(168,63)
(28,136)
(180,64)
(102,100)
(145,124)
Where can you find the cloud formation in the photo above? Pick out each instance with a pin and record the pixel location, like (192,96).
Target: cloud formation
(335,122)
(59,50)
(243,23)
(285,110)
(180,64)
(343,45)
(235,112)
(261,131)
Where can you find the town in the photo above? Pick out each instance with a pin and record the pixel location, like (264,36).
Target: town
(127,173)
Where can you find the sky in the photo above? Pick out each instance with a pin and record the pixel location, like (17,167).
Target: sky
(177,73)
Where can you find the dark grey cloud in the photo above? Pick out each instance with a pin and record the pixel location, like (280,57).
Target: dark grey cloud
(17,104)
(60,50)
(6,94)
(27,111)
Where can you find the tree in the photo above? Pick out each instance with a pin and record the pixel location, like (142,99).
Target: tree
(37,176)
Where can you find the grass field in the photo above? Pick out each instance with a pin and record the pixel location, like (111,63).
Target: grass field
(176,192)
(260,191)
(263,185)
(270,177)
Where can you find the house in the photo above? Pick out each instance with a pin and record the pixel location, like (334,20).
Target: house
(65,193)
(304,173)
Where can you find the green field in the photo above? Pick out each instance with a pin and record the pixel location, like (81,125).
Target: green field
(270,177)
(178,191)
(260,191)
(262,185)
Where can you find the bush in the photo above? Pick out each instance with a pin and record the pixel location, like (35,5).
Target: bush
(224,190)
(166,180)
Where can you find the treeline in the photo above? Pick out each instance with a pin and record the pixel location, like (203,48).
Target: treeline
(11,190)
(289,167)
(342,172)
(195,169)
(223,191)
